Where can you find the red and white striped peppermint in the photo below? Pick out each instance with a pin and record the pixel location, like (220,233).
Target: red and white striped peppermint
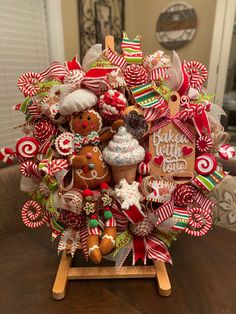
(7,155)
(205,164)
(204,143)
(27,147)
(197,73)
(226,151)
(199,219)
(27,83)
(35,218)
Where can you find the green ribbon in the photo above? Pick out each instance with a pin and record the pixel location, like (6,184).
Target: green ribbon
(122,240)
(163,90)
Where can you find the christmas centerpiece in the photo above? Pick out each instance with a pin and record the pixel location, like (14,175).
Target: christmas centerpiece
(119,154)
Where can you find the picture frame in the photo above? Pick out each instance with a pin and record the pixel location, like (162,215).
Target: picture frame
(97,19)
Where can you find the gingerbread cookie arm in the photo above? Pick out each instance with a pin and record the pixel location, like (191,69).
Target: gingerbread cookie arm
(77,161)
(108,133)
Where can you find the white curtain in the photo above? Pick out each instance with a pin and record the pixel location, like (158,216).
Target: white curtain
(24,47)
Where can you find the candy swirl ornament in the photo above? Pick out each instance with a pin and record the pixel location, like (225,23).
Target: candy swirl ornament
(205,164)
(200,222)
(27,147)
(35,218)
(44,129)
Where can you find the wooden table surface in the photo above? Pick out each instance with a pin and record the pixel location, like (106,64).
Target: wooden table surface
(202,278)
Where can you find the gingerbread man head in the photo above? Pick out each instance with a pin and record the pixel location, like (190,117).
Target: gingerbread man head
(85,122)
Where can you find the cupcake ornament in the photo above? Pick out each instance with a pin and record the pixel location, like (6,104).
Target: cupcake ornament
(123,154)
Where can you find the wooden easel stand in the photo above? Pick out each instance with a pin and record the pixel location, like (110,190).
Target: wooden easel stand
(66,272)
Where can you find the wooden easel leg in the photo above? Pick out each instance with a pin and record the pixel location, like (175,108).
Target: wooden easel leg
(162,278)
(59,287)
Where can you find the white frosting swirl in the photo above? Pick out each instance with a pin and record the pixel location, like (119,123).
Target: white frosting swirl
(123,150)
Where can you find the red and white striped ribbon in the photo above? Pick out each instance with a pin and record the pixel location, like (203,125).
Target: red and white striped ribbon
(116,59)
(157,250)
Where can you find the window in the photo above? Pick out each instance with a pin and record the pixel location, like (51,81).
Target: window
(24,47)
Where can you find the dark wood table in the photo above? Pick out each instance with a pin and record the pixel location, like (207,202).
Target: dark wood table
(202,278)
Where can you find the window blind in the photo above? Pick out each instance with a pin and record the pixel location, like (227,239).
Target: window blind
(24,47)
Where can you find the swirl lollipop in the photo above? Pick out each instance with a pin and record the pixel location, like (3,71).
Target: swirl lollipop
(205,164)
(33,219)
(27,147)
(200,222)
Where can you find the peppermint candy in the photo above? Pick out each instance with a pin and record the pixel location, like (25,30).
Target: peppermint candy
(112,104)
(27,83)
(226,151)
(184,195)
(7,155)
(44,129)
(197,73)
(199,219)
(204,143)
(64,144)
(205,164)
(27,147)
(134,75)
(35,218)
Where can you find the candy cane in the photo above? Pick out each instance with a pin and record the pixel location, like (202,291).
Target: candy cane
(197,73)
(7,155)
(199,219)
(33,219)
(29,169)
(27,147)
(27,83)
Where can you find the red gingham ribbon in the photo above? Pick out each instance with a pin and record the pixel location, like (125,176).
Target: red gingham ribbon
(177,121)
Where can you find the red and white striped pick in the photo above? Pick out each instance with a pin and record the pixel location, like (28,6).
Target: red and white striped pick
(27,83)
(197,73)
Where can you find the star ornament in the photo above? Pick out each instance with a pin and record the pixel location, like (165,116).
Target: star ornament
(128,194)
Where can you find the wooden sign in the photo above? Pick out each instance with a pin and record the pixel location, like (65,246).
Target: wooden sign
(173,153)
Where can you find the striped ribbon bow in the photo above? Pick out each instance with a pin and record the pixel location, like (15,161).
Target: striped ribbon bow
(178,121)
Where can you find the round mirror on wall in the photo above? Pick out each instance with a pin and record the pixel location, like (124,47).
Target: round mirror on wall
(176,26)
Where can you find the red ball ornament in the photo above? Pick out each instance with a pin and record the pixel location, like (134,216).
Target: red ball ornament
(104,186)
(87,192)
